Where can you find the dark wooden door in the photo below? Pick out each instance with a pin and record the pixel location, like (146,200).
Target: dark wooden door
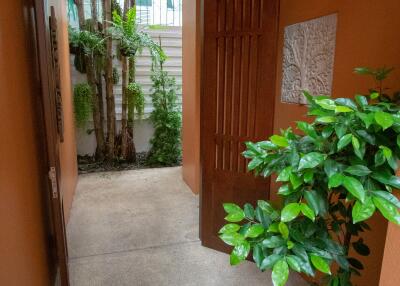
(47,53)
(237,103)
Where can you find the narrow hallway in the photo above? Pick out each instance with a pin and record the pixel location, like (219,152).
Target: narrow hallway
(141,228)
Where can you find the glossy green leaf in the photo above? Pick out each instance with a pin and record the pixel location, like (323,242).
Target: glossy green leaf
(290,212)
(358,170)
(273,242)
(235,217)
(320,263)
(386,179)
(279,141)
(284,174)
(340,109)
(326,119)
(295,180)
(269,261)
(240,253)
(280,273)
(385,120)
(361,100)
(379,158)
(311,160)
(328,104)
(387,196)
(248,211)
(307,211)
(231,208)
(354,187)
(344,141)
(335,181)
(254,163)
(387,153)
(316,201)
(294,262)
(254,231)
(258,255)
(308,176)
(363,211)
(232,239)
(283,229)
(374,95)
(387,209)
(229,228)
(274,227)
(355,142)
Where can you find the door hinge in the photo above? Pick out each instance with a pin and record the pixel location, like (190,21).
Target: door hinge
(53,180)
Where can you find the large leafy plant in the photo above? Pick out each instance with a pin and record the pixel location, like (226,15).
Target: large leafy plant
(335,173)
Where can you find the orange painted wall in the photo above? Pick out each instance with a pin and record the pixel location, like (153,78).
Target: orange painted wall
(390,265)
(191,94)
(22,236)
(69,169)
(368,34)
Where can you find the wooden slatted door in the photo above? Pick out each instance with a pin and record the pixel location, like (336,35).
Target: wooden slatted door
(52,116)
(237,103)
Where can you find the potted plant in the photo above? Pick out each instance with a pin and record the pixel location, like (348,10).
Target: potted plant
(335,173)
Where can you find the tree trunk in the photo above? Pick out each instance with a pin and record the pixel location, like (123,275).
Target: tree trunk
(81,13)
(95,23)
(124,129)
(109,82)
(98,128)
(131,113)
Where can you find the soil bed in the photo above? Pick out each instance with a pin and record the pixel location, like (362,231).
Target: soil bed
(88,164)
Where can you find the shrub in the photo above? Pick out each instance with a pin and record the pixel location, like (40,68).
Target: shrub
(335,173)
(166,118)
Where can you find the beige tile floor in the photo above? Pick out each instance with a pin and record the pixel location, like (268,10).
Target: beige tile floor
(141,228)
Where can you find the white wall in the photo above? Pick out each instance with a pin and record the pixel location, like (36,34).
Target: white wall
(171,40)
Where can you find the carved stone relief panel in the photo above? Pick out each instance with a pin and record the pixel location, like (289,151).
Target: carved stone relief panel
(308,56)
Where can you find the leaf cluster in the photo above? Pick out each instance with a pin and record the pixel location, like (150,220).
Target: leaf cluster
(335,173)
(83,107)
(90,43)
(131,40)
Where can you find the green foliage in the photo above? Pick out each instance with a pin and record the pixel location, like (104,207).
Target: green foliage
(135,101)
(131,40)
(116,7)
(166,118)
(335,173)
(82,104)
(90,43)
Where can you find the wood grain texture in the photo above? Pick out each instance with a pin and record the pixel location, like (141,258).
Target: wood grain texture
(237,103)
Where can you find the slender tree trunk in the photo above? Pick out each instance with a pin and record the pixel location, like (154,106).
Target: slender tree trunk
(95,23)
(109,82)
(131,113)
(81,13)
(124,129)
(98,128)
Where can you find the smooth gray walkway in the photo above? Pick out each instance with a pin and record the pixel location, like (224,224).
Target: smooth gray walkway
(141,228)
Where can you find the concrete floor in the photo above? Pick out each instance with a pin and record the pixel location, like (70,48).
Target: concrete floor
(140,228)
